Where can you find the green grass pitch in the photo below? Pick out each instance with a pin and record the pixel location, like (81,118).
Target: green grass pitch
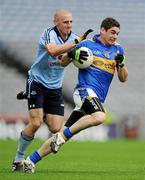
(110,160)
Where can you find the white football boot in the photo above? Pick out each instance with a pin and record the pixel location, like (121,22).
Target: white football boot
(18,166)
(57,142)
(29,166)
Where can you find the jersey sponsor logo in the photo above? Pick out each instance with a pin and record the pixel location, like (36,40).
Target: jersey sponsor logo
(106,54)
(105,64)
(97,52)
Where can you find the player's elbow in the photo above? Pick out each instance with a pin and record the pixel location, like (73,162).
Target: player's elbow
(51,49)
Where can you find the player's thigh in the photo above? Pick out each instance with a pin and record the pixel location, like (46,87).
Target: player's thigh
(36,116)
(54,122)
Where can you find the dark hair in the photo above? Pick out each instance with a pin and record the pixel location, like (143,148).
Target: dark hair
(109,22)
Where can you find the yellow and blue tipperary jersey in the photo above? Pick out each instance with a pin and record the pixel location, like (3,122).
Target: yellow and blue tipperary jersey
(47,69)
(99,75)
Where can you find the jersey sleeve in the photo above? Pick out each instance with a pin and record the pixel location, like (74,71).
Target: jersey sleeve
(120,49)
(46,37)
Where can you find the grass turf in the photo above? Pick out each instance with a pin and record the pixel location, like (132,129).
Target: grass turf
(110,160)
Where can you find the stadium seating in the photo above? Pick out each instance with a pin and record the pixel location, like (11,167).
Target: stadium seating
(24,21)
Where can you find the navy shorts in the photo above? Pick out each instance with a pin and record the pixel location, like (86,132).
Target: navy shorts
(51,100)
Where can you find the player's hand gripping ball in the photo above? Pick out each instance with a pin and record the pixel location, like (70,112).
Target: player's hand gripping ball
(81,57)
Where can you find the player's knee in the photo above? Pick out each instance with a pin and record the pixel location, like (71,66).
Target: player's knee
(36,118)
(98,118)
(54,129)
(36,123)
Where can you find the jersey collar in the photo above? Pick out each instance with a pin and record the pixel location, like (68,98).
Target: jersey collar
(59,35)
(95,38)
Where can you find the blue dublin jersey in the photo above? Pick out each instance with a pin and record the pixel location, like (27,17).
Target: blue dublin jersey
(99,75)
(46,69)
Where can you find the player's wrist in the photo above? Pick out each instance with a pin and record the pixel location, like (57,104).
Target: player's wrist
(121,65)
(120,60)
(72,53)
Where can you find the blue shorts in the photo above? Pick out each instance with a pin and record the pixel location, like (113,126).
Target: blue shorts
(51,100)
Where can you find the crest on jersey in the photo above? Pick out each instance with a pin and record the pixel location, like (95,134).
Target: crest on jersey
(106,54)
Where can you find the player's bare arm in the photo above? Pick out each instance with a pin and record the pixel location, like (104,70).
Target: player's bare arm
(55,50)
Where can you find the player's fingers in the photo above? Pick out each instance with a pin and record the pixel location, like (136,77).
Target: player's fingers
(87,32)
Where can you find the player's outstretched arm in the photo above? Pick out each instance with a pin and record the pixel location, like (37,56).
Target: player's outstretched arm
(55,50)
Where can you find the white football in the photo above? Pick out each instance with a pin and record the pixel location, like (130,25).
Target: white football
(82,64)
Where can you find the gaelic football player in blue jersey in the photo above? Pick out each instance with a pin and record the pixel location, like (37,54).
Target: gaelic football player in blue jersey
(92,88)
(44,83)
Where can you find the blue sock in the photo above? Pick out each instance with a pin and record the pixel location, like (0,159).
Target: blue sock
(24,142)
(67,133)
(35,157)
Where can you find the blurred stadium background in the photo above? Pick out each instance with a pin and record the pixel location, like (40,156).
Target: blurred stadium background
(22,22)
